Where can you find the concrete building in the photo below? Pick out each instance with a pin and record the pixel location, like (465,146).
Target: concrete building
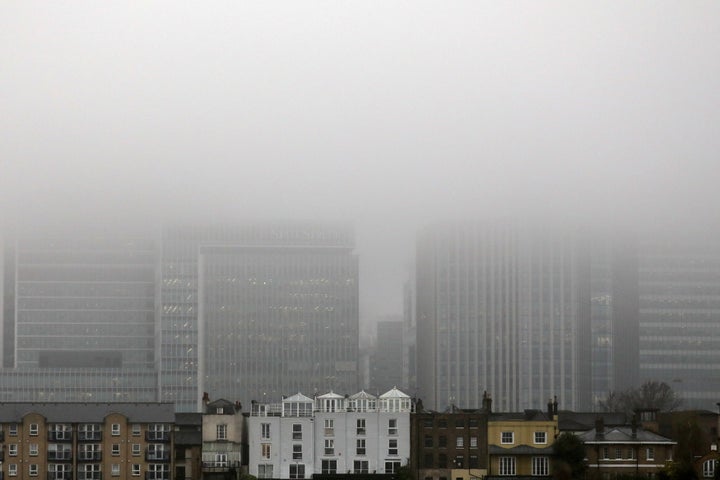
(276,302)
(87,441)
(330,435)
(502,307)
(387,357)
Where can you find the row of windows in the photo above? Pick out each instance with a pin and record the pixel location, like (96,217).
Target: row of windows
(629,454)
(87,451)
(329,428)
(540,466)
(458,423)
(297,471)
(155,471)
(62,431)
(442,442)
(329,448)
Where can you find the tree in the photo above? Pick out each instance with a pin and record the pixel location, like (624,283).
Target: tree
(568,457)
(650,395)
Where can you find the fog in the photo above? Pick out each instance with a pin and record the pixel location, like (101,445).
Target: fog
(386,114)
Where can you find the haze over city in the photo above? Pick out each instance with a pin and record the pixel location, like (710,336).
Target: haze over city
(387,115)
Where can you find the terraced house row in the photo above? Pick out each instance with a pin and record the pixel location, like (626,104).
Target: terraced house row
(359,437)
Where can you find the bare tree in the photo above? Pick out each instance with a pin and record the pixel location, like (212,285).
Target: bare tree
(650,395)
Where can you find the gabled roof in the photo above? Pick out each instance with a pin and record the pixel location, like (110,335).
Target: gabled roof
(298,397)
(525,416)
(331,394)
(578,421)
(623,434)
(394,393)
(362,395)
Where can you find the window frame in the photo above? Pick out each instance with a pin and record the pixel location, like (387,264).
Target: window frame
(115,430)
(507,437)
(34,430)
(221,431)
(540,437)
(393,447)
(507,466)
(540,466)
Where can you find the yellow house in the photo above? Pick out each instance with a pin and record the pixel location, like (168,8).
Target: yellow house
(520,444)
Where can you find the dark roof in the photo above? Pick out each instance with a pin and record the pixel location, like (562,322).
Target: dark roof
(78,412)
(579,421)
(624,435)
(527,416)
(519,450)
(186,418)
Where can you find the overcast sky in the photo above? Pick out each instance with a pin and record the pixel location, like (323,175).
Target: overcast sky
(389,114)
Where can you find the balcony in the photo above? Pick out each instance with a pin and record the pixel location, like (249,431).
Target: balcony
(89,436)
(157,436)
(89,456)
(60,476)
(157,475)
(89,475)
(157,456)
(59,456)
(219,466)
(59,436)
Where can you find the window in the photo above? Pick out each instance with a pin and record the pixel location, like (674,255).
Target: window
(12,449)
(115,429)
(297,451)
(360,466)
(115,449)
(329,446)
(329,466)
(157,471)
(219,411)
(442,441)
(392,467)
(265,430)
(541,437)
(392,426)
(297,471)
(221,431)
(507,465)
(459,442)
(507,437)
(221,460)
(460,423)
(136,470)
(427,422)
(649,453)
(360,446)
(136,449)
(392,446)
(33,449)
(442,423)
(618,454)
(265,451)
(265,471)
(90,431)
(459,461)
(540,466)
(428,460)
(12,469)
(136,430)
(442,460)
(360,428)
(631,454)
(428,441)
(33,470)
(708,468)
(329,427)
(473,423)
(115,469)
(473,442)
(34,431)
(606,453)
(88,451)
(474,461)
(297,431)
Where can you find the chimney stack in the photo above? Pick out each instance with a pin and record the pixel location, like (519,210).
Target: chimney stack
(634,425)
(487,402)
(599,428)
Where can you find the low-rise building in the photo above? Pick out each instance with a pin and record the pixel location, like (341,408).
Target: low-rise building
(222,440)
(87,441)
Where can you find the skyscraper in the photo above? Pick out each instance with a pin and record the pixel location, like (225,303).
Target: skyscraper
(257,310)
(679,286)
(503,308)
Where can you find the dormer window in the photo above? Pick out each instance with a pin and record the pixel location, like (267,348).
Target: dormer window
(219,410)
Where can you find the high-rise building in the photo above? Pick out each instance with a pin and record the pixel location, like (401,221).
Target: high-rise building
(387,357)
(679,286)
(502,308)
(257,311)
(78,318)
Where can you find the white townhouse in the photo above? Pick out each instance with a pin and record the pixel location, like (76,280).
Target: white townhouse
(332,434)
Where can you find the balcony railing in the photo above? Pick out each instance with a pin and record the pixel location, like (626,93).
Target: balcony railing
(157,475)
(60,476)
(62,436)
(59,456)
(219,466)
(157,436)
(89,475)
(89,456)
(157,456)
(89,436)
